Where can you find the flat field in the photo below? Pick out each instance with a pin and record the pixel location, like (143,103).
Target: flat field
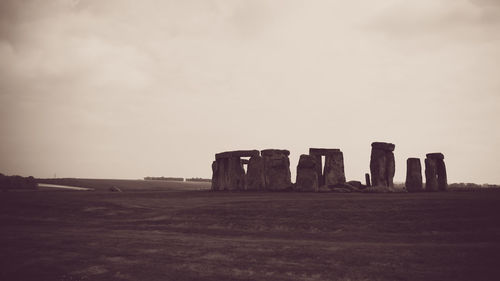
(129,185)
(203,235)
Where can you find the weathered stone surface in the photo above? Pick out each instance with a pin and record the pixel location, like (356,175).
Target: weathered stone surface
(319,171)
(435,172)
(441,175)
(254,179)
(334,168)
(436,155)
(276,169)
(307,176)
(356,184)
(431,183)
(413,181)
(391,168)
(236,174)
(367,180)
(383,146)
(228,174)
(322,151)
(274,152)
(236,154)
(382,164)
(378,167)
(215,176)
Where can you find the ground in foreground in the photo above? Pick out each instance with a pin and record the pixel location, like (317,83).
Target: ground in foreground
(193,235)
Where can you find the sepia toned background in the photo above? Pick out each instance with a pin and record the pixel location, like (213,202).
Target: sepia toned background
(127,89)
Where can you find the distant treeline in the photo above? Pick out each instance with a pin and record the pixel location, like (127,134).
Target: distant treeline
(17,182)
(177,179)
(164,178)
(199,180)
(472,185)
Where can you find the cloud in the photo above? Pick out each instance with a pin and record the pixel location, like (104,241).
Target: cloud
(461,19)
(155,80)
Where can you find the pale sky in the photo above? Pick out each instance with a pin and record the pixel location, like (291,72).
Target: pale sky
(127,89)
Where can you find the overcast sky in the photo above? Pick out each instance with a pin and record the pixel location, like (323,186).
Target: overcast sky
(127,89)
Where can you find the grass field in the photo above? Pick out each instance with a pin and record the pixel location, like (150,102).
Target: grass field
(129,185)
(202,235)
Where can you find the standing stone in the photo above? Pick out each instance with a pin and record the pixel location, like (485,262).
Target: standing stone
(222,181)
(367,180)
(334,168)
(236,174)
(333,172)
(215,177)
(413,175)
(307,176)
(317,153)
(440,177)
(254,179)
(391,168)
(227,170)
(276,169)
(382,164)
(431,183)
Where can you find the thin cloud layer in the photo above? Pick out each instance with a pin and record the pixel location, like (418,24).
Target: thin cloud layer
(129,89)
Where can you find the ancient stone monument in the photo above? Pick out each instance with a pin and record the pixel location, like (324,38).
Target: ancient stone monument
(227,170)
(277,174)
(333,172)
(435,172)
(307,173)
(413,181)
(254,179)
(271,171)
(382,165)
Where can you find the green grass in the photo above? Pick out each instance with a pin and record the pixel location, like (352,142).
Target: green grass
(193,235)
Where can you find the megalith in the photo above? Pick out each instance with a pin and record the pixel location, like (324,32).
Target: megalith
(277,174)
(435,173)
(382,164)
(334,168)
(307,175)
(228,172)
(413,181)
(367,180)
(333,172)
(254,179)
(215,176)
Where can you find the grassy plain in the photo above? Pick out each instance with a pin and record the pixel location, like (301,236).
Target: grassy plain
(202,235)
(129,185)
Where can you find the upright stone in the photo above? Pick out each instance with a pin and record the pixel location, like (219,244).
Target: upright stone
(277,174)
(317,154)
(431,183)
(382,164)
(215,176)
(307,176)
(254,179)
(236,174)
(440,176)
(227,170)
(222,176)
(334,168)
(367,180)
(413,175)
(391,168)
